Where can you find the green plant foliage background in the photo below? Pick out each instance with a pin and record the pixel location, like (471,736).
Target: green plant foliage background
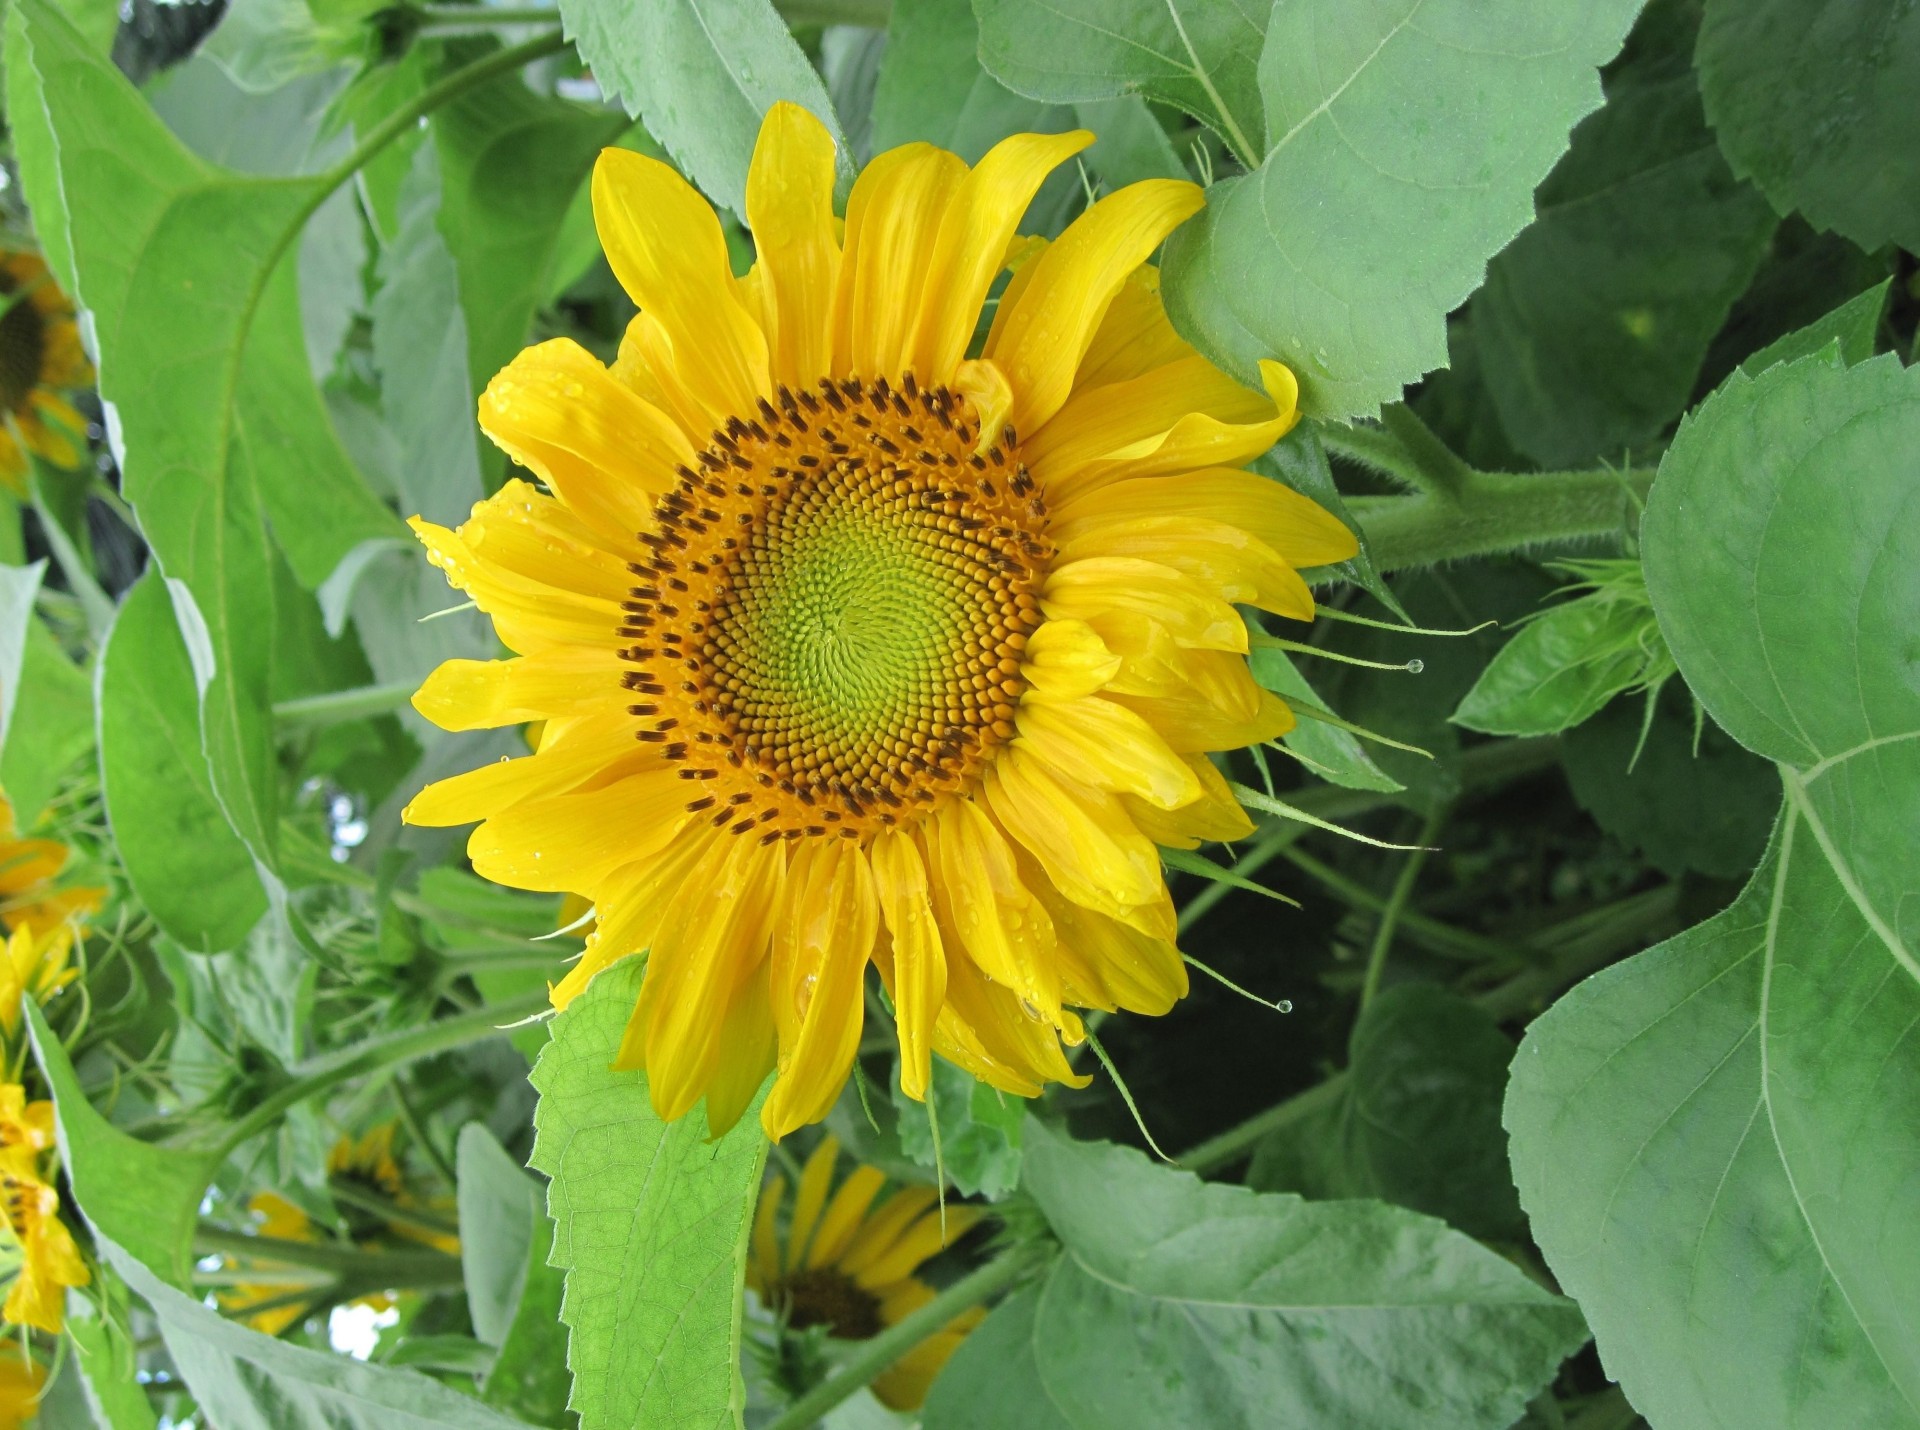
(1549,1060)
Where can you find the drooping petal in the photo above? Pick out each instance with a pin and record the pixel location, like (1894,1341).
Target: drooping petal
(665,245)
(1298,528)
(599,745)
(1106,746)
(1098,422)
(790,210)
(1042,340)
(567,842)
(605,453)
(1227,560)
(980,896)
(919,973)
(1191,724)
(748,1048)
(1216,817)
(557,683)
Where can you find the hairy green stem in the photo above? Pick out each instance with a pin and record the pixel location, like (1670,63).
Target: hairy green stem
(318,1075)
(1431,465)
(337,707)
(1497,512)
(875,1355)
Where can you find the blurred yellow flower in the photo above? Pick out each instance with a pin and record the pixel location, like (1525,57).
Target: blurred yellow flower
(22,1378)
(50,1261)
(848,1265)
(40,356)
(28,869)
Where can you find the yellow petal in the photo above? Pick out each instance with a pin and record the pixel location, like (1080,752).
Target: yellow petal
(875,1236)
(1086,589)
(826,936)
(991,395)
(919,975)
(894,216)
(1106,746)
(971,246)
(1298,528)
(1135,336)
(629,905)
(748,1048)
(1142,974)
(666,248)
(559,413)
(1216,817)
(1191,724)
(790,210)
(568,842)
(815,1179)
(763,1266)
(1041,342)
(1082,838)
(600,744)
(1065,660)
(558,683)
(711,941)
(1225,559)
(994,916)
(844,1214)
(919,1243)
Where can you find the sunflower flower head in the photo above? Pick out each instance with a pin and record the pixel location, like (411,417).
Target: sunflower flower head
(847,1263)
(49,1259)
(859,637)
(40,359)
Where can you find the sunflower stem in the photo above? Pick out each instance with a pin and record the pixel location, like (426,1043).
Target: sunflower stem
(1396,905)
(318,1075)
(875,1355)
(408,1268)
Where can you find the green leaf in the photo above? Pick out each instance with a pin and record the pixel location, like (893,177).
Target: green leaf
(103,1349)
(1677,807)
(993,1380)
(980,1130)
(650,1224)
(498,1205)
(529,1377)
(1419,128)
(188,867)
(19,586)
(1179,1302)
(1330,752)
(143,1197)
(244,1380)
(931,87)
(1559,669)
(184,270)
(1812,102)
(1854,326)
(51,725)
(1593,322)
(1197,55)
(1418,1119)
(701,73)
(1730,1109)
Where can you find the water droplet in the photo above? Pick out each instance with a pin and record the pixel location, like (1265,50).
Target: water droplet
(803,995)
(1031,1011)
(1414,667)
(1285,1005)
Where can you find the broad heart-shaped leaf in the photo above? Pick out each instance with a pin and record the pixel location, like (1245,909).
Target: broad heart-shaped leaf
(650,1223)
(189,868)
(1594,321)
(1404,141)
(1197,55)
(143,1197)
(1418,1119)
(243,1380)
(1813,102)
(702,74)
(1853,326)
(1178,1302)
(186,272)
(993,1380)
(1715,1139)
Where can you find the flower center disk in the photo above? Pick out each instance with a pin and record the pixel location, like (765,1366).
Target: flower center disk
(832,620)
(23,343)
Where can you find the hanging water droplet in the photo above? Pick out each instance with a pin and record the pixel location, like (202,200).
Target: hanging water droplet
(1285,1005)
(1031,1011)
(803,995)
(1415,666)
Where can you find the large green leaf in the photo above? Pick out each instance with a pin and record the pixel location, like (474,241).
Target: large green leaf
(187,865)
(1178,1302)
(702,74)
(49,726)
(187,273)
(650,1222)
(1404,144)
(498,1204)
(993,1380)
(1198,55)
(931,86)
(1417,1122)
(1814,102)
(1732,1110)
(104,1354)
(19,585)
(1594,321)
(143,1197)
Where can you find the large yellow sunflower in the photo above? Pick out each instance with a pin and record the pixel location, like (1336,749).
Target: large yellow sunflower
(849,1266)
(853,648)
(40,355)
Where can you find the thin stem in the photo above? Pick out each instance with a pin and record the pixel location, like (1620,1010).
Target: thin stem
(1430,933)
(318,1075)
(875,1355)
(1434,467)
(438,18)
(1233,1144)
(391,1212)
(337,707)
(1396,904)
(343,1261)
(416,1127)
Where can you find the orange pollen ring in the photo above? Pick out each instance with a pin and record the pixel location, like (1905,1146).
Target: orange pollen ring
(829,629)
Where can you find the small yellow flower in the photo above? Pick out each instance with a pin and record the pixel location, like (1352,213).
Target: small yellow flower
(28,869)
(40,355)
(848,1265)
(50,1261)
(22,1379)
(34,966)
(851,647)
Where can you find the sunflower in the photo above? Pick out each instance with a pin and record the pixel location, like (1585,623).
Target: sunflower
(848,1265)
(22,1379)
(852,647)
(28,869)
(39,353)
(50,1261)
